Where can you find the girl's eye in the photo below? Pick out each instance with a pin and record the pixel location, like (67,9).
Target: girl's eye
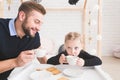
(76,48)
(68,47)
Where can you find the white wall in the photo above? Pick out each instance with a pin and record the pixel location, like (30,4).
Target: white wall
(110,25)
(58,23)
(13,8)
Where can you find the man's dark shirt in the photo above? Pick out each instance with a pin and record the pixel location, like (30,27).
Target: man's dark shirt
(11,46)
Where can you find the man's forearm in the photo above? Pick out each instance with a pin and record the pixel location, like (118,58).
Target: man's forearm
(6,65)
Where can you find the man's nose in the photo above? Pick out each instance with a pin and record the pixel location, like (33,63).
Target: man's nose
(38,27)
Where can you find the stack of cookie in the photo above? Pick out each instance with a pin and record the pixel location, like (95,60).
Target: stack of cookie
(53,70)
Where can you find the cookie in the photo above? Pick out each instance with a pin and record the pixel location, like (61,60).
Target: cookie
(50,69)
(63,78)
(56,71)
(53,70)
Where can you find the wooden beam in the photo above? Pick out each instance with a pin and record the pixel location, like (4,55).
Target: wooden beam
(99,29)
(64,9)
(84,24)
(1,9)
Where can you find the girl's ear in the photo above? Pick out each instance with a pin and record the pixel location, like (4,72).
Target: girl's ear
(22,15)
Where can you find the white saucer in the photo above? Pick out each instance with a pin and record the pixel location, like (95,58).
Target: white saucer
(40,75)
(73,72)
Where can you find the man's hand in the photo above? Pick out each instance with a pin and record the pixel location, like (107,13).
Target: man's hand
(25,57)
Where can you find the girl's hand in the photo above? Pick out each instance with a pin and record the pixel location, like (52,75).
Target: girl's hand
(62,59)
(80,62)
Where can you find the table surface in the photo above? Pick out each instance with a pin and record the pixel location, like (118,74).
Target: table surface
(91,73)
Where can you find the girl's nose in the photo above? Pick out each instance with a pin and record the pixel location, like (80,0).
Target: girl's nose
(73,52)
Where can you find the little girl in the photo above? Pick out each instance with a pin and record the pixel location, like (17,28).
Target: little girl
(73,46)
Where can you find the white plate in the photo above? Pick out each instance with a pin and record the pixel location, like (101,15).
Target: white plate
(73,72)
(40,75)
(41,66)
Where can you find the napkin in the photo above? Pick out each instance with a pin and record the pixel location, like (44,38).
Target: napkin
(18,72)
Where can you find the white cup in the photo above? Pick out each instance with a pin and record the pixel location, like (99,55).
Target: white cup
(40,52)
(71,60)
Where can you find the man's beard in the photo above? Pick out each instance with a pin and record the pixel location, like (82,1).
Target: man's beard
(27,30)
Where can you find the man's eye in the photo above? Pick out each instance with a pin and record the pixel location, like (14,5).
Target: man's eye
(36,21)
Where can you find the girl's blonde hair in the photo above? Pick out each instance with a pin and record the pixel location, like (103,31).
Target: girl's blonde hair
(73,36)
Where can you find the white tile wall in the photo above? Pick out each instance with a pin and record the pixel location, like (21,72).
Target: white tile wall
(110,25)
(58,24)
(13,8)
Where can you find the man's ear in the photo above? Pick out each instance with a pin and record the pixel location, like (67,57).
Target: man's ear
(22,15)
